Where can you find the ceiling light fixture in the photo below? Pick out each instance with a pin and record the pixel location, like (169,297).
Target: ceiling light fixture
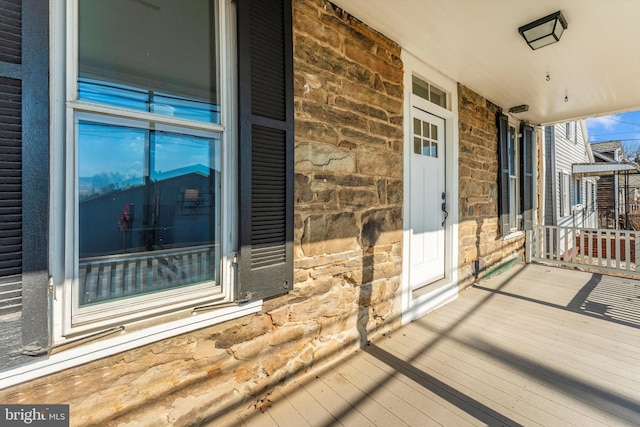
(544,31)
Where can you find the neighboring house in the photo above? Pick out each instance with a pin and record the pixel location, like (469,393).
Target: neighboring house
(608,199)
(570,199)
(618,189)
(200,200)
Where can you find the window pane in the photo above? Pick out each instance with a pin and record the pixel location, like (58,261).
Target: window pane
(425,130)
(155,56)
(426,150)
(438,97)
(420,88)
(434,149)
(417,127)
(512,151)
(149,210)
(417,145)
(513,202)
(434,132)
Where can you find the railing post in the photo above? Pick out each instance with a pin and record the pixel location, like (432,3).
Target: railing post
(528,246)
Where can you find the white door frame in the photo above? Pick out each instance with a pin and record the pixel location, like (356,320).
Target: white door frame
(420,302)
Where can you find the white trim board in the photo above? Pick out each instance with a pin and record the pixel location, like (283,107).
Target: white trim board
(445,290)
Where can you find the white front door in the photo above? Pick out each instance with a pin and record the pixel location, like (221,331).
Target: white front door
(428,194)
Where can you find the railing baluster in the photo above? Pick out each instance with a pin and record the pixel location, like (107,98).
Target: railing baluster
(141,271)
(588,248)
(608,243)
(568,245)
(118,279)
(617,250)
(627,248)
(599,246)
(536,237)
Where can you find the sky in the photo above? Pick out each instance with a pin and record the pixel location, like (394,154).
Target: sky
(624,127)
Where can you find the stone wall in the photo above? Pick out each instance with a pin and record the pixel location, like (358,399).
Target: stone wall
(348,154)
(348,249)
(482,249)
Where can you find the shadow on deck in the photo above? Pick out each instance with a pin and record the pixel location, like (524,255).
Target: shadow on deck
(535,346)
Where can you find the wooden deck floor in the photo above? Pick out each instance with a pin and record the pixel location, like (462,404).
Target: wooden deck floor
(535,346)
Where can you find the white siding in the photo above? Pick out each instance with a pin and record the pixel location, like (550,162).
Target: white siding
(561,153)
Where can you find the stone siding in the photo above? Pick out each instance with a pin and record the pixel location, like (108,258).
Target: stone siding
(481,246)
(348,251)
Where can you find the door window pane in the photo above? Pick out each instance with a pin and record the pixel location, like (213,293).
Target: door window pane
(149,210)
(158,56)
(417,145)
(417,127)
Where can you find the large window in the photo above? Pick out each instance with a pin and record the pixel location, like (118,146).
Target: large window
(166,203)
(148,144)
(515,217)
(516,183)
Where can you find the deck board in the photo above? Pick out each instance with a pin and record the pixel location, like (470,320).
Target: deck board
(537,345)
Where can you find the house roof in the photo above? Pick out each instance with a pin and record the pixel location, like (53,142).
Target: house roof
(477,43)
(606,146)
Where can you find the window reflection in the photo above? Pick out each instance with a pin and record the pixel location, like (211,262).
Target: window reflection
(132,98)
(151,193)
(161,59)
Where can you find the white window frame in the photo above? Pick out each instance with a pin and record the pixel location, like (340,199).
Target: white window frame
(167,306)
(565,195)
(577,192)
(515,218)
(570,131)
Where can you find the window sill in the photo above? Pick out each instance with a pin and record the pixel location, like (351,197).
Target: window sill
(90,352)
(513,235)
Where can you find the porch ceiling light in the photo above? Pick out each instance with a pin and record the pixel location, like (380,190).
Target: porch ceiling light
(544,31)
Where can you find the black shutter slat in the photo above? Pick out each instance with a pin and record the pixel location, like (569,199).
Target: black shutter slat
(503,173)
(10,295)
(527,191)
(268,79)
(10,32)
(266,148)
(11,173)
(24,174)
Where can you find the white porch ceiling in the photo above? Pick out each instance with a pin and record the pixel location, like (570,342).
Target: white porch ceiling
(596,64)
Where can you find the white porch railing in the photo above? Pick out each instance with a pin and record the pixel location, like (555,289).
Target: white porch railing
(117,276)
(589,249)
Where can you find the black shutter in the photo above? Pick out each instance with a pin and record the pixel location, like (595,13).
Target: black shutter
(265,94)
(527,193)
(503,173)
(24,179)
